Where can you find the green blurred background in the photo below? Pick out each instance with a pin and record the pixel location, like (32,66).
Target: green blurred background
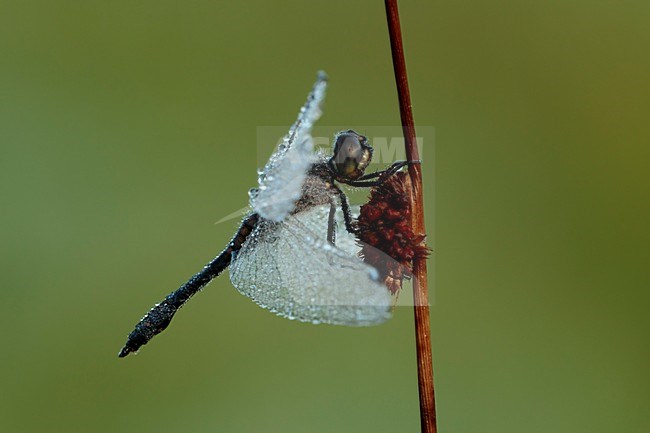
(128,128)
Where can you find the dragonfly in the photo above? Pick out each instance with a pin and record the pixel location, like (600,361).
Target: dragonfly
(286,255)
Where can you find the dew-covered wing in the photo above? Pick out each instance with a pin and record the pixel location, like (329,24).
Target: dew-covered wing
(291,269)
(281,179)
(392,273)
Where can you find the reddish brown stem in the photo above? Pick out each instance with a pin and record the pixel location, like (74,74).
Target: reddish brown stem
(420,289)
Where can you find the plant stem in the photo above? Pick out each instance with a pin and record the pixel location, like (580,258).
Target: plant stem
(420,289)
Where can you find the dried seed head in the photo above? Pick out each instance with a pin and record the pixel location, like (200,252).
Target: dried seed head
(384,229)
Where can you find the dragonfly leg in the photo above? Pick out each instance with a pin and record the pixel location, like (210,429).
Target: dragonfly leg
(331,223)
(397,165)
(379,176)
(345,207)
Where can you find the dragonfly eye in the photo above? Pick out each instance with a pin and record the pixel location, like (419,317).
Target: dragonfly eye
(352,154)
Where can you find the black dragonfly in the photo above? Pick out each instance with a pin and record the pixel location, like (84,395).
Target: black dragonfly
(286,256)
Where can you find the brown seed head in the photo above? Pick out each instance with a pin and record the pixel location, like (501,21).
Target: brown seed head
(385,230)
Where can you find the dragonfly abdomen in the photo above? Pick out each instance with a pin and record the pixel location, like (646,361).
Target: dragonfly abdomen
(159,317)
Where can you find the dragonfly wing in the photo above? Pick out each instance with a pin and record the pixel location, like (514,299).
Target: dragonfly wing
(280,183)
(291,269)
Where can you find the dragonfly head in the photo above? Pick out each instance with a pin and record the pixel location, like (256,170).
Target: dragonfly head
(351,155)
